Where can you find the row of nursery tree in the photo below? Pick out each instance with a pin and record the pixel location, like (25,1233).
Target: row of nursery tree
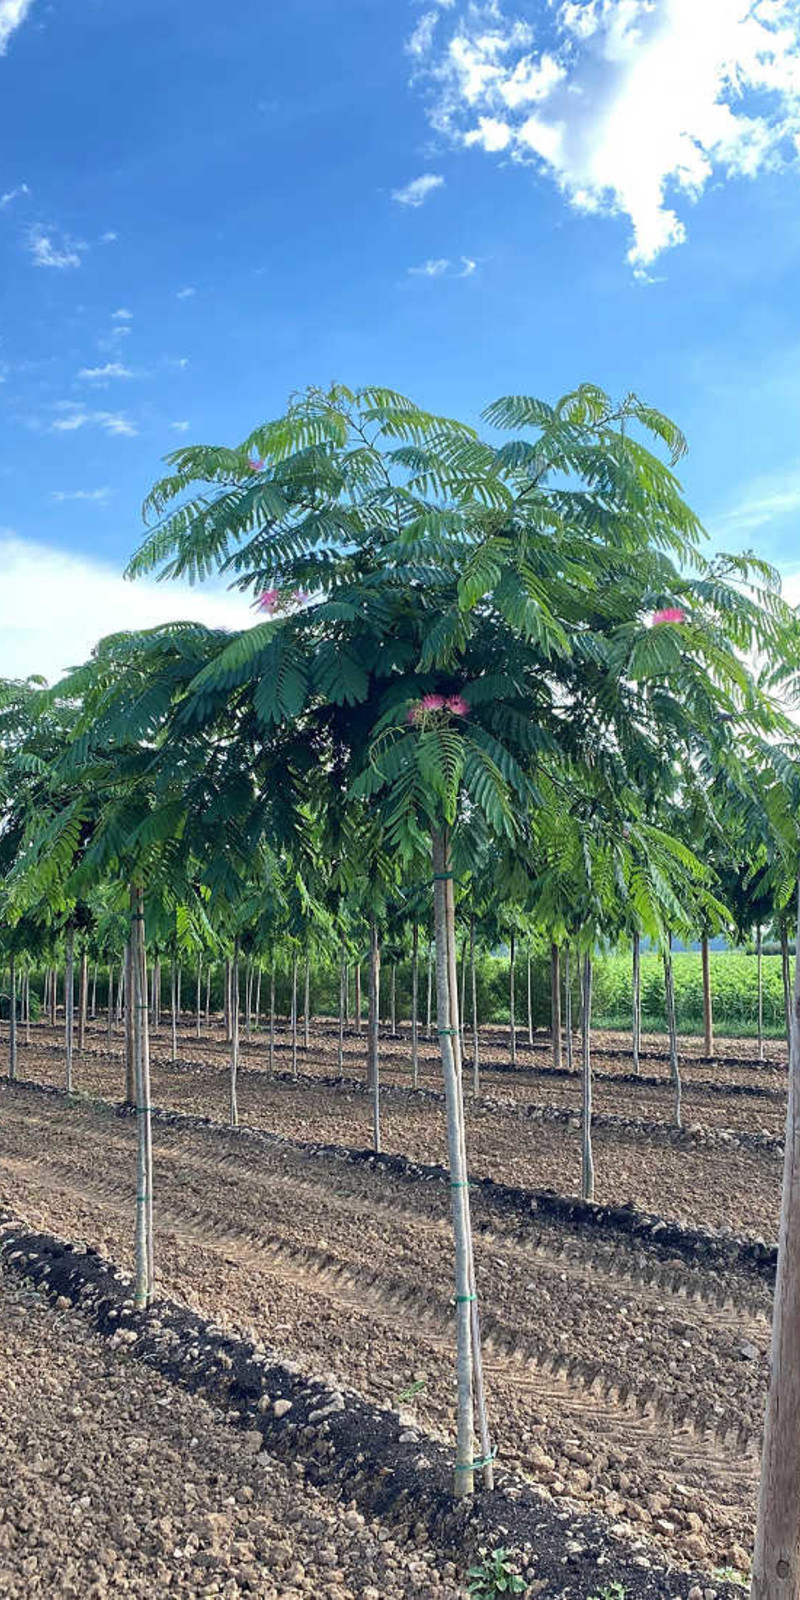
(494,674)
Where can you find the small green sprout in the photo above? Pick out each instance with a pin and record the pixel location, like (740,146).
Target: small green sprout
(493,1576)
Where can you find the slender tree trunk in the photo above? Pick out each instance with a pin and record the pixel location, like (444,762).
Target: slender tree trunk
(12,1017)
(672,1028)
(110,1008)
(228,1030)
(208,994)
(555,1005)
(121,989)
(53,996)
(393,999)
(787,979)
(248,999)
(530,997)
(257,1017)
(130,1011)
(462,1005)
(173,1010)
(69,1005)
(83,995)
(342,1008)
(760,980)
(180,974)
(347,993)
(708,1004)
(294,1014)
(511,998)
(27,982)
(272,1017)
(776,1562)
(637,1002)
(306,1004)
(587,1159)
(464,1470)
(198,995)
(94,993)
(157,993)
(568,1009)
(145,1273)
(358,999)
(476,1052)
(429,1012)
(415,1004)
(234,1101)
(373,1031)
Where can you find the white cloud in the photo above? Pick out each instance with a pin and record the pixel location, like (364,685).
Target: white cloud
(122,315)
(96,496)
(46,253)
(629,105)
(764,500)
(12,15)
(112,369)
(416,192)
(431,269)
(113,422)
(185,294)
(13,194)
(109,238)
(54,606)
(179,427)
(468,266)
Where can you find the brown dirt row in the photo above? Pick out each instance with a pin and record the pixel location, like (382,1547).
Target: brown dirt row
(114,1482)
(632,1398)
(728,1187)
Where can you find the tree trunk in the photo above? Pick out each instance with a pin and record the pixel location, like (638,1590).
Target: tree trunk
(429,1013)
(69,1005)
(157,993)
(121,988)
(294,1014)
(173,1010)
(248,999)
(272,1017)
(393,999)
(787,980)
(587,1159)
(347,993)
(94,993)
(476,1054)
(637,1002)
(511,1004)
(234,1102)
(464,1472)
(342,1008)
(306,1004)
(228,1032)
(415,1004)
(198,995)
(110,1009)
(760,979)
(462,1012)
(672,1028)
(83,996)
(145,1274)
(208,994)
(568,1009)
(530,997)
(130,1006)
(27,983)
(257,1015)
(708,1004)
(12,1018)
(776,1562)
(53,996)
(555,1005)
(373,1031)
(358,1000)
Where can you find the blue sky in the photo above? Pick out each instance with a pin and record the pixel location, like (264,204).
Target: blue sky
(201,211)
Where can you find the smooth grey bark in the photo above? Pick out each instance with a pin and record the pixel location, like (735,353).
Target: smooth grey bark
(555,1005)
(94,993)
(110,1010)
(787,979)
(464,1476)
(529,996)
(342,1007)
(234,1099)
(393,999)
(373,1031)
(415,1004)
(173,1010)
(476,1052)
(69,1006)
(12,1017)
(294,1013)
(463,991)
(306,1004)
(672,1029)
(257,1011)
(760,982)
(708,1003)
(53,996)
(776,1560)
(130,1005)
(272,1016)
(83,995)
(208,994)
(27,997)
(198,995)
(145,1269)
(568,1009)
(428,1014)
(512,959)
(358,1000)
(637,1002)
(587,1158)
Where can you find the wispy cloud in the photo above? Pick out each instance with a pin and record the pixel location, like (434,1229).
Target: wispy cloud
(417,191)
(179,427)
(443,267)
(13,194)
(95,496)
(185,294)
(760,502)
(109,238)
(113,422)
(78,598)
(112,369)
(122,315)
(47,253)
(12,15)
(624,102)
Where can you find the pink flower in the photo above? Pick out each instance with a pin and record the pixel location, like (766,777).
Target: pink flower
(255,466)
(301,596)
(458,705)
(669,614)
(432,702)
(413,714)
(268,600)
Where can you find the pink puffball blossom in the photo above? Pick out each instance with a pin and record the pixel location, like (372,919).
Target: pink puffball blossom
(458,705)
(268,600)
(432,702)
(669,614)
(255,466)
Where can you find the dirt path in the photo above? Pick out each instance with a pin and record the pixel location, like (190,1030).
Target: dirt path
(619,1381)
